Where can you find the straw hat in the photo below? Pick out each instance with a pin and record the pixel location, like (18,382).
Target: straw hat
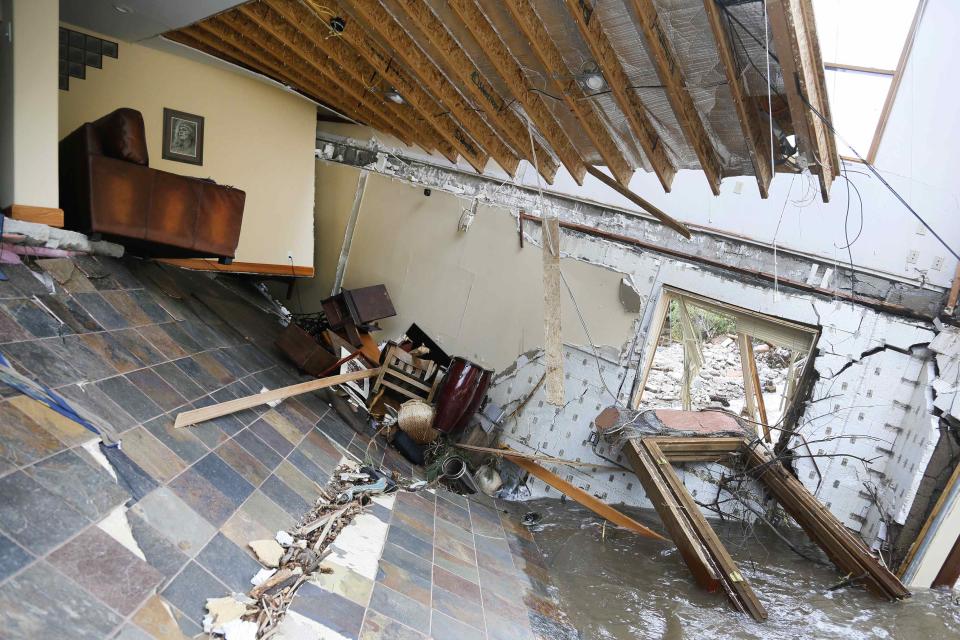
(415,419)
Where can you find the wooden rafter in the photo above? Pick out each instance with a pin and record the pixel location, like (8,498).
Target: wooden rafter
(344,47)
(380,20)
(668,68)
(253,57)
(756,132)
(627,99)
(499,115)
(567,86)
(510,72)
(300,45)
(793,28)
(244,36)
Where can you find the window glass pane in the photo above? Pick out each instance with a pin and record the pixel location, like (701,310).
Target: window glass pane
(866,33)
(856,100)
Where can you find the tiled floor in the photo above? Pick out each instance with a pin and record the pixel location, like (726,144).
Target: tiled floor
(128,543)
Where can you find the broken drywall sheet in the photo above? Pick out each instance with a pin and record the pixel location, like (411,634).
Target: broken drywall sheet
(946,347)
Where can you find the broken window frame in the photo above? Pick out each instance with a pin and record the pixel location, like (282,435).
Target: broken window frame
(805,341)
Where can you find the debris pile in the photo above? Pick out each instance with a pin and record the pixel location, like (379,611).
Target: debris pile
(291,557)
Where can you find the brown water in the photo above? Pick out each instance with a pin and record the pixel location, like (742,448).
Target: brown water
(626,587)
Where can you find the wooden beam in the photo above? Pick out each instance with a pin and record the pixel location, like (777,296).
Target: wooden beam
(837,66)
(348,44)
(674,224)
(626,98)
(602,509)
(380,21)
(41,215)
(479,27)
(499,115)
(758,390)
(668,68)
(568,88)
(187,418)
(212,44)
(294,39)
(218,35)
(795,40)
(272,269)
(756,131)
(895,83)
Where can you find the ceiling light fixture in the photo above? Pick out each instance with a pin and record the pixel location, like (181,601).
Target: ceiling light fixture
(591,79)
(393,96)
(121,8)
(594,81)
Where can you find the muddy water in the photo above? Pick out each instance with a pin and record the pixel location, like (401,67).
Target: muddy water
(623,586)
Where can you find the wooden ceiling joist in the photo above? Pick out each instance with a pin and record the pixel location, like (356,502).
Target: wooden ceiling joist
(668,68)
(756,132)
(380,20)
(195,38)
(232,29)
(568,87)
(627,99)
(298,48)
(508,68)
(344,47)
(498,113)
(793,29)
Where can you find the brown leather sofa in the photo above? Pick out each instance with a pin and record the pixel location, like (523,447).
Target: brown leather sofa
(107,188)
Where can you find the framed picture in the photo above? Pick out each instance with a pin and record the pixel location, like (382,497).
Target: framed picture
(182,136)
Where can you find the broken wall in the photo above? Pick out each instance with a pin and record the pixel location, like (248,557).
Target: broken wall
(477,293)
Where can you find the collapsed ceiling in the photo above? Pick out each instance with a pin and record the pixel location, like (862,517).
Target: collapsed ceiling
(662,86)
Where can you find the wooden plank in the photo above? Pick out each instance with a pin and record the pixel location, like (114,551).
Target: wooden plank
(504,120)
(756,131)
(758,391)
(626,98)
(479,26)
(187,418)
(838,66)
(954,293)
(602,509)
(204,264)
(738,589)
(798,52)
(660,50)
(934,512)
(674,224)
(552,339)
(345,46)
(950,569)
(380,21)
(303,49)
(565,84)
(49,216)
(691,549)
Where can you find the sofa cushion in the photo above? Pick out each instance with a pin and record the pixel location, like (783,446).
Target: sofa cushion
(122,136)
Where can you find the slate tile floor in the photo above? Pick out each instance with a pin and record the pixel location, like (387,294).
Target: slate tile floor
(128,543)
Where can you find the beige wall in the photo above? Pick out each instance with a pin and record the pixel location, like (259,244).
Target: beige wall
(28,124)
(258,138)
(476,293)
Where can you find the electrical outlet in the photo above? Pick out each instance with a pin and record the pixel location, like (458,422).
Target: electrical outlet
(937,263)
(913,257)
(921,230)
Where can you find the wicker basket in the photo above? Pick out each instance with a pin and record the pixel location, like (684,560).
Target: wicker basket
(415,419)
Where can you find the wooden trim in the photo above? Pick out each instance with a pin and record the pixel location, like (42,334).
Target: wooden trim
(895,83)
(583,109)
(795,40)
(954,293)
(478,25)
(294,40)
(195,416)
(756,132)
(40,215)
(504,120)
(626,98)
(206,264)
(668,67)
(676,225)
(758,391)
(379,20)
(351,43)
(934,512)
(602,509)
(839,66)
(950,570)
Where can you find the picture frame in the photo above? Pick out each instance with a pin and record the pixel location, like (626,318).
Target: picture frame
(182,136)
